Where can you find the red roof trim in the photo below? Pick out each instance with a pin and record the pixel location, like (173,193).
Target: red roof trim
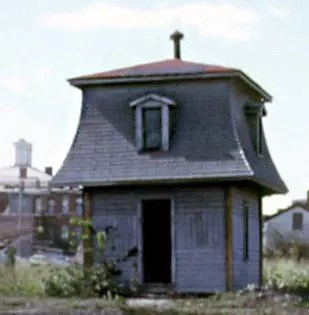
(169,66)
(171,69)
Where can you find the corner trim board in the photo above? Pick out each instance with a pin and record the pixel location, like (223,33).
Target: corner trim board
(260,242)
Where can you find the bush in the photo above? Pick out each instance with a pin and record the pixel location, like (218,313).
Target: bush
(286,246)
(98,281)
(90,281)
(286,275)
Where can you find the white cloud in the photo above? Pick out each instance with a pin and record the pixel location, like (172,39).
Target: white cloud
(14,84)
(280,12)
(217,20)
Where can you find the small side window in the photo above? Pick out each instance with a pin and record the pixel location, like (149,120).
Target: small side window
(297,221)
(254,113)
(245,231)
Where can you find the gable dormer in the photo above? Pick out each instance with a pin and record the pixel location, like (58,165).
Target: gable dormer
(153,122)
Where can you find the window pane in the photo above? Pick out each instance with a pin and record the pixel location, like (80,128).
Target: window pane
(245,231)
(51,206)
(79,207)
(38,205)
(65,204)
(65,232)
(152,128)
(297,221)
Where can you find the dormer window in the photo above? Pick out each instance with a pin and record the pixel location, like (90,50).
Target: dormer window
(254,113)
(152,122)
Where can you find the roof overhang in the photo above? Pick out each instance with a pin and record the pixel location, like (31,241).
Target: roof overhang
(268,190)
(266,97)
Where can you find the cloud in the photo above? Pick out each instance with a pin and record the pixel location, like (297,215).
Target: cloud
(14,84)
(222,20)
(280,12)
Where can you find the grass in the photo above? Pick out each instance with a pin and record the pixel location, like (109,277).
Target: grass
(22,281)
(23,289)
(251,303)
(287,275)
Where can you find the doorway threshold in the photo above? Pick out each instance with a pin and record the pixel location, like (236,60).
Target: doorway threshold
(158,288)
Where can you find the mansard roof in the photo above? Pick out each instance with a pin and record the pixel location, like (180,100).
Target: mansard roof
(207,148)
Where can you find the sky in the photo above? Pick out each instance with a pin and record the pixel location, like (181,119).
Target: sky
(45,42)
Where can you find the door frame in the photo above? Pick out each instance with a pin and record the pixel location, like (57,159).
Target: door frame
(140,234)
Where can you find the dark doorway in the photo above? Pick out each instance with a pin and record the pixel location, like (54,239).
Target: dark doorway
(157,241)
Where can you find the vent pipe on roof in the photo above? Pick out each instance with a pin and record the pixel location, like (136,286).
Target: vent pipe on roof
(176,37)
(49,170)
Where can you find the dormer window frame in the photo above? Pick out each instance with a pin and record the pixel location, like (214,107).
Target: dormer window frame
(150,102)
(256,111)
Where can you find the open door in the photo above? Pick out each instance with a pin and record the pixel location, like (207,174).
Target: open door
(157,249)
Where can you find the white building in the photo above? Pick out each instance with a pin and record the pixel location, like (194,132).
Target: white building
(291,223)
(23,171)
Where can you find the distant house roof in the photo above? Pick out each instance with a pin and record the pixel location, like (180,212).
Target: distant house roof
(166,69)
(281,211)
(9,177)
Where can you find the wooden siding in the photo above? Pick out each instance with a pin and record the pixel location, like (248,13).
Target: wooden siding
(118,210)
(199,264)
(200,256)
(246,271)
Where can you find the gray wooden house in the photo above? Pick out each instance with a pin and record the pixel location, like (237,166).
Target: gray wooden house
(173,155)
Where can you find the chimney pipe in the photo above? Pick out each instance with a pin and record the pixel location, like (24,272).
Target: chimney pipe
(176,37)
(49,170)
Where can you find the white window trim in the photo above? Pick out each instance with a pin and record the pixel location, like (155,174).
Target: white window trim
(147,102)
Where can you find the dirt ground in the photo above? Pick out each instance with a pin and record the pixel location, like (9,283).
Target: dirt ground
(249,303)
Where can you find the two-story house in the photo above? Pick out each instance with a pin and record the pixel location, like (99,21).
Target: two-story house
(172,154)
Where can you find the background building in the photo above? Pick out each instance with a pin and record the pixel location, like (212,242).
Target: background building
(30,206)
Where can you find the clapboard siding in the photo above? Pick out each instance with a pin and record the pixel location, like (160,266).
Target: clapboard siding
(200,260)
(245,271)
(118,210)
(199,232)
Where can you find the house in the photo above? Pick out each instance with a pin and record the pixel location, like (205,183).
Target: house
(172,155)
(290,224)
(29,201)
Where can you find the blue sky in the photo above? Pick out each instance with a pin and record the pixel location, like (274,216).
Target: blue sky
(45,42)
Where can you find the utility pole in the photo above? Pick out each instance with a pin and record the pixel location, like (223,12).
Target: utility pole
(20,199)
